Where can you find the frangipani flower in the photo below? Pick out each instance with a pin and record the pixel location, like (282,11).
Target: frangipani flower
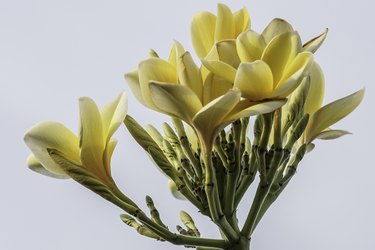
(91,150)
(177,88)
(206,28)
(278,72)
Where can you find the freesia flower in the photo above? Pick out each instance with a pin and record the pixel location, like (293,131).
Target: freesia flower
(206,28)
(177,88)
(91,149)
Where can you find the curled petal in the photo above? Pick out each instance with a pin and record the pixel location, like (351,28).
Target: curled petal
(155,69)
(189,74)
(113,115)
(221,69)
(254,80)
(92,141)
(276,27)
(36,166)
(175,100)
(132,78)
(293,74)
(314,44)
(316,92)
(250,46)
(52,135)
(280,52)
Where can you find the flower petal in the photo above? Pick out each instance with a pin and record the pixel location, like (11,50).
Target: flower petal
(92,141)
(214,86)
(314,44)
(155,69)
(36,166)
(221,69)
(276,27)
(113,115)
(250,46)
(175,54)
(227,52)
(189,74)
(225,27)
(255,80)
(108,152)
(246,109)
(293,74)
(210,117)
(332,113)
(280,52)
(175,100)
(132,78)
(203,32)
(241,21)
(52,135)
(315,95)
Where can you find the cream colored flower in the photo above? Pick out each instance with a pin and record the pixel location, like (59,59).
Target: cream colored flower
(92,149)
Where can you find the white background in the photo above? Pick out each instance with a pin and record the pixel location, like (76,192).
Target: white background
(53,52)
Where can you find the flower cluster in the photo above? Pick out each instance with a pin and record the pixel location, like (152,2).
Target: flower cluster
(271,76)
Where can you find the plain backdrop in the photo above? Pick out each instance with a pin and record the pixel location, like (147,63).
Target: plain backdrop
(53,52)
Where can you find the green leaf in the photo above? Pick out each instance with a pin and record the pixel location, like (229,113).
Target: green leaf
(332,134)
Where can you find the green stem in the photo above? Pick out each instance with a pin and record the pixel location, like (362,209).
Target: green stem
(213,199)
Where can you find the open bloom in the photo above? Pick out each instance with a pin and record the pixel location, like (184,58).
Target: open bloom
(277,72)
(206,28)
(91,149)
(178,88)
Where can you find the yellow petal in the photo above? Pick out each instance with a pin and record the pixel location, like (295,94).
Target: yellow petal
(155,69)
(52,135)
(189,74)
(254,80)
(203,32)
(92,141)
(246,109)
(225,28)
(110,147)
(227,52)
(276,27)
(293,74)
(209,119)
(113,115)
(250,46)
(36,166)
(241,21)
(221,69)
(175,54)
(314,44)
(175,100)
(132,78)
(214,86)
(316,92)
(332,113)
(280,51)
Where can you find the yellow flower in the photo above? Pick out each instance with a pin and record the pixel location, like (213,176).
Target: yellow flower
(178,88)
(278,72)
(206,28)
(91,150)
